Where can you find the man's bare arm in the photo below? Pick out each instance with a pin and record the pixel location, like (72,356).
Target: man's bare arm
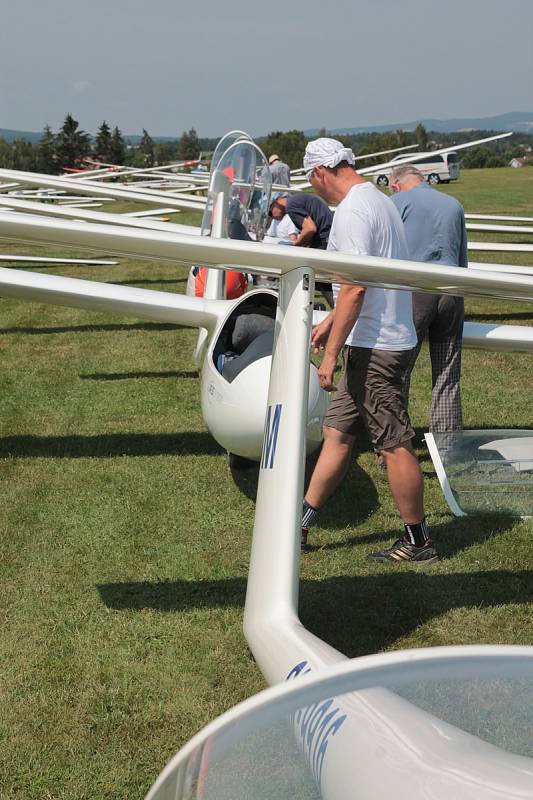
(320,333)
(306,234)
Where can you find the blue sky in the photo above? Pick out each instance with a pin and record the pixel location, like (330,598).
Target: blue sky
(169,65)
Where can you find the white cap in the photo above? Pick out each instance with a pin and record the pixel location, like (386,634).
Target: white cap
(273,157)
(326,153)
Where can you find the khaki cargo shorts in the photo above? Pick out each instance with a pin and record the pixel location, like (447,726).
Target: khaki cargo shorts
(370,396)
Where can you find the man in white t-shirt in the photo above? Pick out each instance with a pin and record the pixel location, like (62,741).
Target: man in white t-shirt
(377,327)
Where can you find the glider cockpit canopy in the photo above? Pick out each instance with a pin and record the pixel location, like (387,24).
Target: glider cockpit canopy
(241,170)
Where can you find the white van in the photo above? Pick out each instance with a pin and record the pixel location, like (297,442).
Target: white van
(436,168)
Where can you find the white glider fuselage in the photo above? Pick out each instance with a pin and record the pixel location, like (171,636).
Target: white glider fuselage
(234,397)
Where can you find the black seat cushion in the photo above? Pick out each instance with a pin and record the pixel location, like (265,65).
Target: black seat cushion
(248,327)
(259,348)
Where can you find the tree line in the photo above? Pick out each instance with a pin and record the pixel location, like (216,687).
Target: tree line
(70,146)
(290,146)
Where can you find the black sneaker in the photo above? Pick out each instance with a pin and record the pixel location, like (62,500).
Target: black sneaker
(304,545)
(402,551)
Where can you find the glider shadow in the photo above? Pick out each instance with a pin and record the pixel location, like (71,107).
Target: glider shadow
(357,615)
(104,328)
(109,445)
(124,376)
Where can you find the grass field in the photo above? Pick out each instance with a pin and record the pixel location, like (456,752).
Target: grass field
(125,540)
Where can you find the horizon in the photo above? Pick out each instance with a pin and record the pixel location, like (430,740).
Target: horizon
(378,128)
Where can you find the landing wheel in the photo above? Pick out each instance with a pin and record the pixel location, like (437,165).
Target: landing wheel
(433,178)
(382,180)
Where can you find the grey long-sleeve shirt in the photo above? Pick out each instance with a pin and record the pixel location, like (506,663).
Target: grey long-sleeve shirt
(434,226)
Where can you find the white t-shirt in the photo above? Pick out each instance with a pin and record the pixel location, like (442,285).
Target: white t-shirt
(367,223)
(282,228)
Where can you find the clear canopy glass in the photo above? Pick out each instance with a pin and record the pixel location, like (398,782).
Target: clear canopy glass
(485,471)
(243,170)
(228,139)
(435,723)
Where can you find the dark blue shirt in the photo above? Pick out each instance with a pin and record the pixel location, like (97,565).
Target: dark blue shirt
(301,206)
(434,226)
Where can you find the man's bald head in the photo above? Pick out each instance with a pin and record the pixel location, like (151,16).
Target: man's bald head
(405,177)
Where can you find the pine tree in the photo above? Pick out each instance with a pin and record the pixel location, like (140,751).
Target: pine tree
(146,148)
(72,144)
(46,152)
(117,150)
(102,145)
(189,147)
(421,137)
(401,137)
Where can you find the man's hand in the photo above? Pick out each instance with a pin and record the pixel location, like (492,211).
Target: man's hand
(320,333)
(347,309)
(325,373)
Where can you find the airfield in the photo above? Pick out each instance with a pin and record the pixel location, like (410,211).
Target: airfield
(126,538)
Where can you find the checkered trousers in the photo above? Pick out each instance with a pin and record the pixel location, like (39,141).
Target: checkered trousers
(440,318)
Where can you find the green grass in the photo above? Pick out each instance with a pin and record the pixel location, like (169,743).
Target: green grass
(494,191)
(124,540)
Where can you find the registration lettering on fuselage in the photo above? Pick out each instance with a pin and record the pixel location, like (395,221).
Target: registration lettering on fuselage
(270,441)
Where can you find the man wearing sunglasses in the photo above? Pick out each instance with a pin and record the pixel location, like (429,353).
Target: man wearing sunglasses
(377,327)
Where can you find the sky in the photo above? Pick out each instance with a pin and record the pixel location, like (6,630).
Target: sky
(169,65)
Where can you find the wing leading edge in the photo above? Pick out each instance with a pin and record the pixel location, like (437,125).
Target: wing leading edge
(265,259)
(179,309)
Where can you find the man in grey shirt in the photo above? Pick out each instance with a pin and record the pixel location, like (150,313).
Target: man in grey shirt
(436,234)
(281,174)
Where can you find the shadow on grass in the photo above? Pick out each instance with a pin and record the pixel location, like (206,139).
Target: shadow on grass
(109,445)
(105,328)
(245,474)
(370,613)
(124,376)
(354,501)
(357,615)
(489,317)
(147,281)
(450,537)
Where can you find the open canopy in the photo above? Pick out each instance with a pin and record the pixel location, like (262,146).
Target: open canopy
(460,719)
(485,471)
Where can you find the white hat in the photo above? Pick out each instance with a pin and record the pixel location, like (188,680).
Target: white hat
(326,153)
(276,196)
(273,157)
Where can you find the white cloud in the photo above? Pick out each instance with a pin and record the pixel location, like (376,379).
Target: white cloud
(80,86)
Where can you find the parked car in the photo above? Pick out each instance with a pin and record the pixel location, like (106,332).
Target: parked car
(436,168)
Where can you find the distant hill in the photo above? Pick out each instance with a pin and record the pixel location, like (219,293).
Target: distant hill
(517,121)
(9,135)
